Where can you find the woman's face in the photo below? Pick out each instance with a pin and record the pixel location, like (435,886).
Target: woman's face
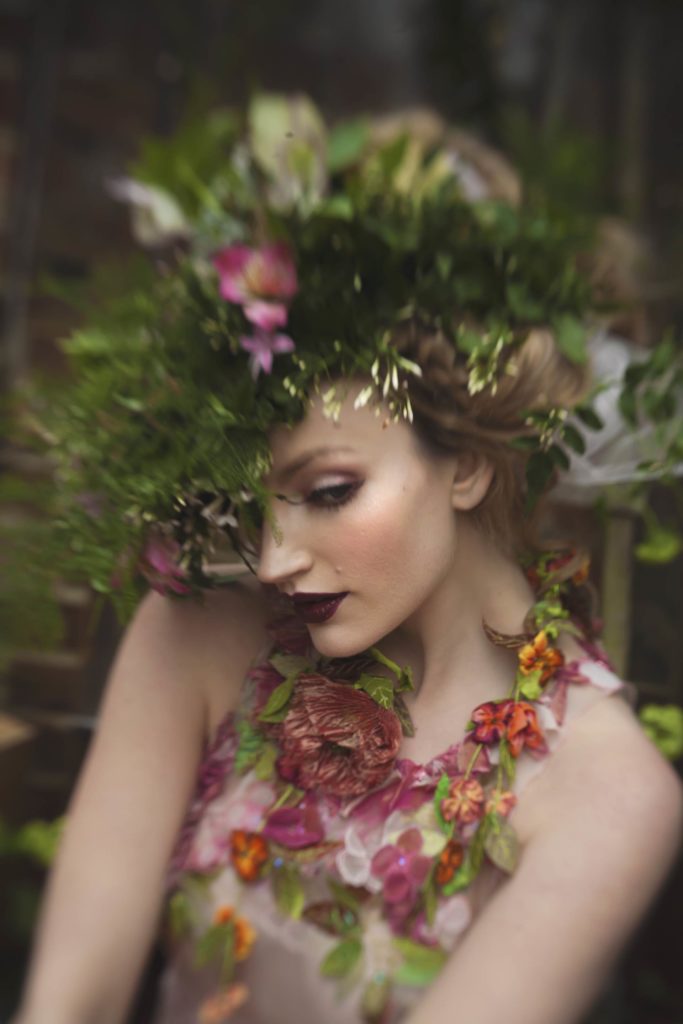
(365,529)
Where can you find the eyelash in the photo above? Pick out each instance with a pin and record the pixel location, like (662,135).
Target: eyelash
(332,497)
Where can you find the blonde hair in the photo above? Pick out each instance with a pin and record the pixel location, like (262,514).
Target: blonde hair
(449,419)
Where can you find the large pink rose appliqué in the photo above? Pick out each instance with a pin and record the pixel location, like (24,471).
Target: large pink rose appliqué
(336,739)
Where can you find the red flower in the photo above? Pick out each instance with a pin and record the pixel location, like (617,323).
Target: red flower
(464,803)
(490,721)
(523,729)
(515,721)
(538,655)
(249,854)
(336,739)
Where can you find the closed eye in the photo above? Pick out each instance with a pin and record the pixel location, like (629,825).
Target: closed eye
(330,497)
(334,495)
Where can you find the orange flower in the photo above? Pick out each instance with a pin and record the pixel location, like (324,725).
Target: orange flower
(501,803)
(464,803)
(223,915)
(244,933)
(218,1008)
(523,729)
(450,860)
(249,854)
(540,655)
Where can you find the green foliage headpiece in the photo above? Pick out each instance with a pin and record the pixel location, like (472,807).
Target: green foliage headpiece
(284,256)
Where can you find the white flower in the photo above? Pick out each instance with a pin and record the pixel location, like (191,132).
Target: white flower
(156,217)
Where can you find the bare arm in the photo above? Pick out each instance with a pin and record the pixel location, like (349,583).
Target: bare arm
(606,826)
(106,889)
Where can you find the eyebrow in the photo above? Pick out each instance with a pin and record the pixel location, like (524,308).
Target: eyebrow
(303,460)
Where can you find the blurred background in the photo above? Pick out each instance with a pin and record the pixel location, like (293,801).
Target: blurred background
(584,98)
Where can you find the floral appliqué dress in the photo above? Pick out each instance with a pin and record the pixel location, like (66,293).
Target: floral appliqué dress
(321,877)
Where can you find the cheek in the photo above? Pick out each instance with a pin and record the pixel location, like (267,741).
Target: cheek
(397,539)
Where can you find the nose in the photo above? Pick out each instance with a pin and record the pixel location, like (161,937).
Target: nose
(285,554)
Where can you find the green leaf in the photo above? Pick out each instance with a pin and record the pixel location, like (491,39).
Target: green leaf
(573,439)
(570,333)
(403,714)
(343,895)
(663,724)
(430,898)
(462,879)
(288,890)
(628,406)
(346,143)
(178,914)
(251,743)
(589,417)
(421,964)
(559,456)
(278,698)
(289,664)
(440,793)
(214,942)
(375,998)
(379,688)
(264,768)
(338,206)
(501,844)
(530,685)
(539,472)
(332,918)
(475,852)
(660,546)
(507,761)
(342,959)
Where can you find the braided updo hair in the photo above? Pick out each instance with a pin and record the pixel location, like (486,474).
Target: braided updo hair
(448,419)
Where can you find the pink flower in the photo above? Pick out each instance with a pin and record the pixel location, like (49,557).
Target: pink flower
(263,346)
(159,565)
(295,827)
(258,280)
(336,739)
(402,868)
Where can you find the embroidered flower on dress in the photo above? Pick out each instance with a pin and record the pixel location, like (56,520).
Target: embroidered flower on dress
(402,868)
(523,730)
(540,656)
(249,854)
(464,802)
(336,739)
(501,803)
(516,721)
(220,1007)
(490,721)
(244,933)
(449,861)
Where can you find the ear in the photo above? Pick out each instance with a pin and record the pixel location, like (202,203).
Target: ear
(471,481)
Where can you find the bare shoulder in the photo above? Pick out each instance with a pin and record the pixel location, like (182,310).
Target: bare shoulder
(212,640)
(607,782)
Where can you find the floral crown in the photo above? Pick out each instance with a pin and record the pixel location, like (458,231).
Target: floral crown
(284,256)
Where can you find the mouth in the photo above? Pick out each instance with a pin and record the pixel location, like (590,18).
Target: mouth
(317,607)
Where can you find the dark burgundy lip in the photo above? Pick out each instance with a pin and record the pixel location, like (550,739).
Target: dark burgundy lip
(305,598)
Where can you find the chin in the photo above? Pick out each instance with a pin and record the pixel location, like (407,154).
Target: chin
(339,643)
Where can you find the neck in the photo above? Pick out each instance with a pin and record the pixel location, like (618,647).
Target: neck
(444,642)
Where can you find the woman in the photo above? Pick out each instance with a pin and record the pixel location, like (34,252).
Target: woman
(385,771)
